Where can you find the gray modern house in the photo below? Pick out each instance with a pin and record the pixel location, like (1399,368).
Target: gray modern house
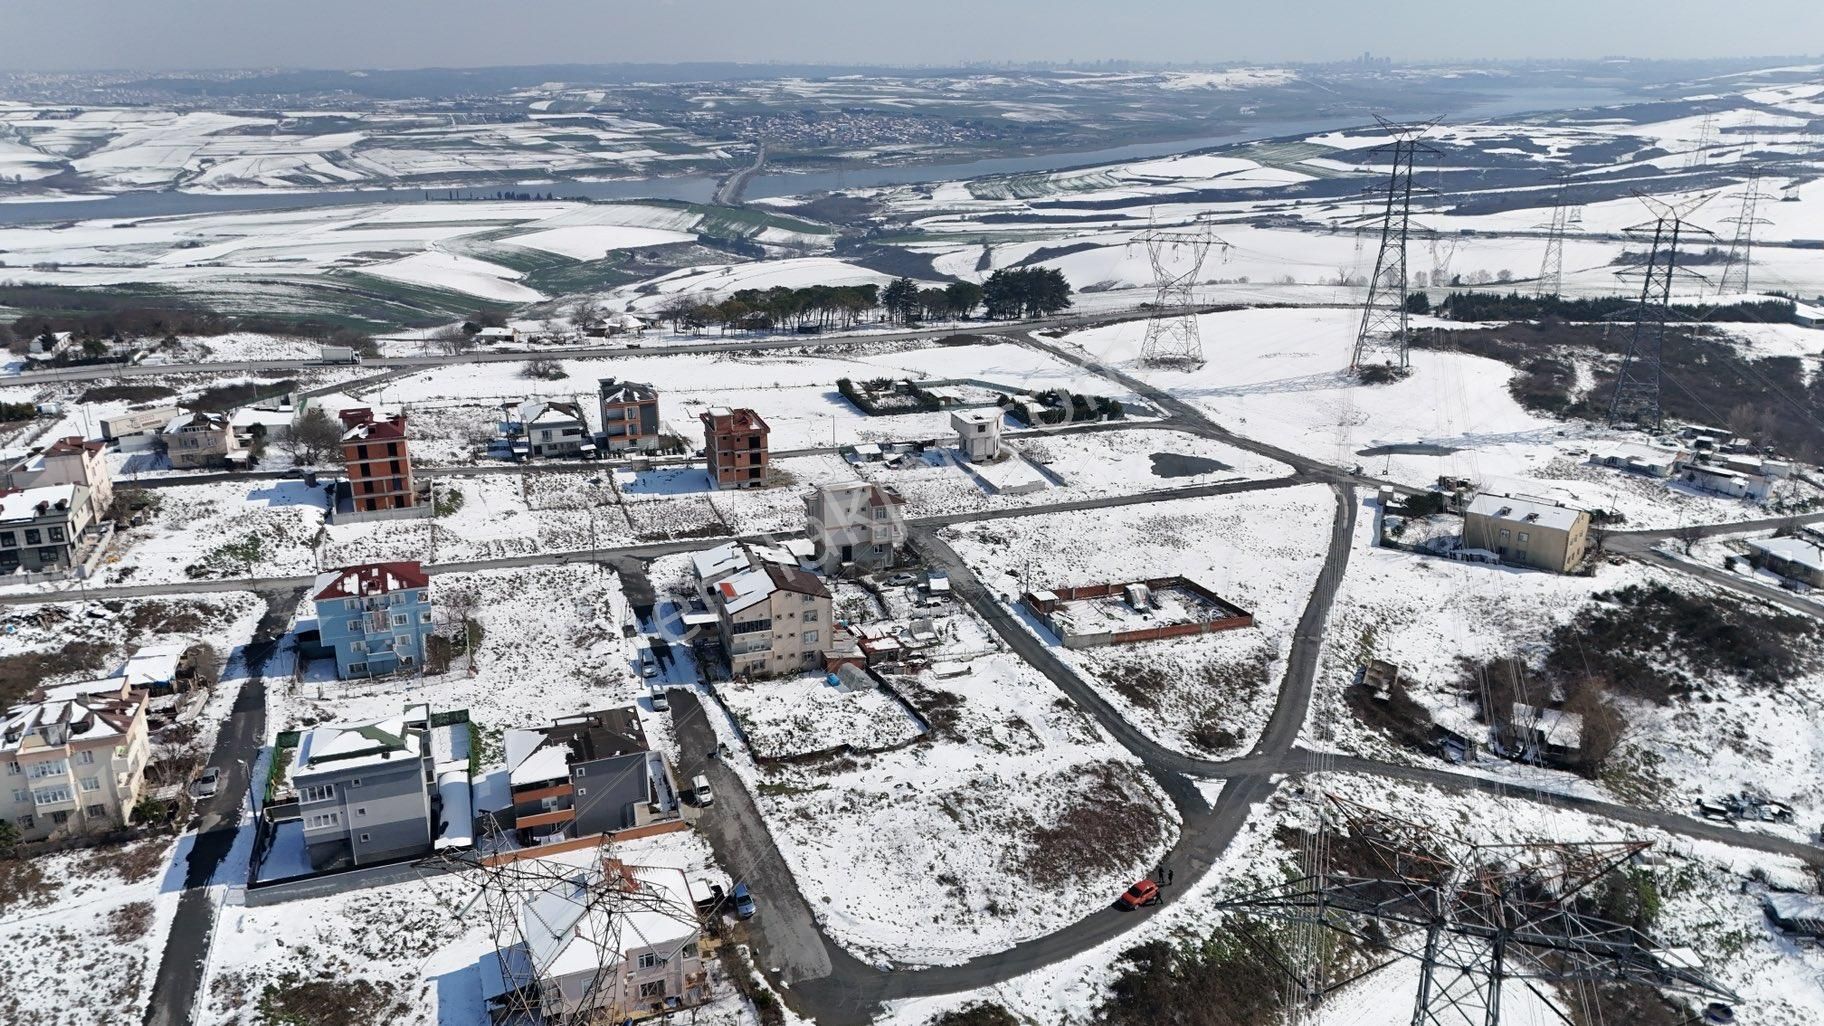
(365,791)
(588,774)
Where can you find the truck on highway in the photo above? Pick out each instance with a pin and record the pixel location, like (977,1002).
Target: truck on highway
(340,354)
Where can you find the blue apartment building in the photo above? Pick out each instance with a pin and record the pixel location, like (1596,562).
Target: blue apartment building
(375,616)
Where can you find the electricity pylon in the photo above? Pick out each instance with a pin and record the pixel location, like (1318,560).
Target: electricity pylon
(1385,326)
(1636,399)
(1474,916)
(1551,268)
(1736,270)
(1177,255)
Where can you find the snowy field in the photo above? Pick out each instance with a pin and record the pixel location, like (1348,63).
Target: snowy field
(1706,902)
(905,855)
(1207,694)
(797,716)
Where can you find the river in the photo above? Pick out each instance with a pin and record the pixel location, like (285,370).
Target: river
(702,188)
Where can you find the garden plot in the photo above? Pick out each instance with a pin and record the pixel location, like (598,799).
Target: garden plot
(910,856)
(230,529)
(497,515)
(1209,694)
(802,716)
(82,933)
(551,645)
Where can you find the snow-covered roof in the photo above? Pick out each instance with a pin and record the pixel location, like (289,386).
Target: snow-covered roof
(337,747)
(565,925)
(1554,725)
(1793,907)
(745,590)
(1806,553)
(23,505)
(153,664)
(199,419)
(545,762)
(68,716)
(1524,511)
(719,560)
(370,579)
(456,823)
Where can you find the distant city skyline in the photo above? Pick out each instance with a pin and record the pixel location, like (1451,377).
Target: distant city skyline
(53,35)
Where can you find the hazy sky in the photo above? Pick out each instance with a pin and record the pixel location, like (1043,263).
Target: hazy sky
(68,34)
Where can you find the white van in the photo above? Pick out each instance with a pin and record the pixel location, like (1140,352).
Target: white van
(661,702)
(699,790)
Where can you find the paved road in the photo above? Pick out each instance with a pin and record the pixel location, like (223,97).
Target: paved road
(784,930)
(1642,546)
(237,746)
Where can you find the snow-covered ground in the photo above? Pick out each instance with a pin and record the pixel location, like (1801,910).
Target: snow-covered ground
(906,856)
(1206,694)
(800,716)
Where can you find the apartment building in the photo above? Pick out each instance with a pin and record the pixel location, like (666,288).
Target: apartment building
(630,416)
(73,759)
(69,460)
(375,616)
(377,460)
(773,620)
(365,791)
(857,523)
(200,439)
(734,446)
(41,528)
(588,774)
(1527,532)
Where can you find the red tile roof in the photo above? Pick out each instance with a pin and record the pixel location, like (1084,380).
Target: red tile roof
(372,579)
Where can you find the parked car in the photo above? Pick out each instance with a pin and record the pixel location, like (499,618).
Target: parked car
(744,902)
(1714,810)
(700,792)
(1144,893)
(206,783)
(661,701)
(901,580)
(649,663)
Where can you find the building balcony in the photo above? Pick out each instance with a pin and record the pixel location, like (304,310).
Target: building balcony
(552,818)
(563,790)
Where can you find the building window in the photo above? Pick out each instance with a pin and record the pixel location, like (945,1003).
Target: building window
(810,616)
(1522,535)
(318,820)
(360,810)
(317,792)
(8,539)
(357,667)
(424,617)
(356,782)
(690,950)
(581,770)
(57,534)
(86,757)
(353,626)
(648,959)
(59,818)
(12,767)
(652,989)
(364,838)
(26,822)
(96,811)
(91,784)
(1504,534)
(351,604)
(33,536)
(398,619)
(21,796)
(581,791)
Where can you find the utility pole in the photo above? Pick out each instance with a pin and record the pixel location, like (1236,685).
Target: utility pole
(1386,326)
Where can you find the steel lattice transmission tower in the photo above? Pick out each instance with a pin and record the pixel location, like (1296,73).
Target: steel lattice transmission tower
(1385,326)
(571,914)
(1736,270)
(1636,399)
(1551,268)
(1476,917)
(1177,256)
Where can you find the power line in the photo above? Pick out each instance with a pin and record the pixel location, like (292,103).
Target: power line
(1636,399)
(1741,247)
(1177,256)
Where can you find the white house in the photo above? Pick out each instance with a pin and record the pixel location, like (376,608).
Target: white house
(978,433)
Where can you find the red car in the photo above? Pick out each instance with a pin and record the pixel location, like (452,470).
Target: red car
(1141,894)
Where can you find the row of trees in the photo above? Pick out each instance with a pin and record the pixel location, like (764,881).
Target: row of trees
(1012,293)
(820,306)
(1007,294)
(906,303)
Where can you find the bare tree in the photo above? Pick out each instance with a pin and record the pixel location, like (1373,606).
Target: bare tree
(452,340)
(315,439)
(1688,535)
